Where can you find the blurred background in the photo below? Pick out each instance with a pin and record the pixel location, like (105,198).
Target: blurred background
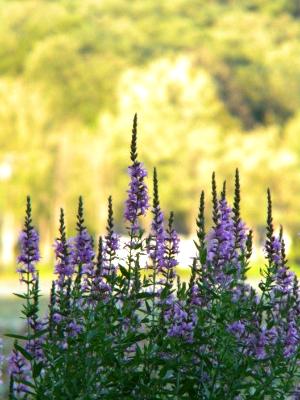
(216,85)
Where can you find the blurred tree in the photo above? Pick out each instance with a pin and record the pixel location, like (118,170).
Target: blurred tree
(216,85)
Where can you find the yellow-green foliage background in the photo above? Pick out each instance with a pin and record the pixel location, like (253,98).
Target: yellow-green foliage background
(216,85)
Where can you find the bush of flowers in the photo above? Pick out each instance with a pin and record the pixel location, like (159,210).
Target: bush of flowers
(128,327)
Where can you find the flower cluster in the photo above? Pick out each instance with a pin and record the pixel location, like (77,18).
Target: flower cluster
(224,245)
(29,246)
(122,324)
(19,369)
(137,202)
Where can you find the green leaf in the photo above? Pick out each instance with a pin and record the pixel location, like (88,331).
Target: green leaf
(36,370)
(16,336)
(24,352)
(124,272)
(22,296)
(144,295)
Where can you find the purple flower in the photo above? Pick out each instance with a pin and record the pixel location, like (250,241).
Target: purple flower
(237,328)
(272,335)
(291,339)
(112,241)
(112,244)
(100,289)
(29,255)
(296,393)
(195,295)
(64,267)
(222,247)
(182,324)
(284,280)
(74,329)
(156,248)
(273,247)
(263,342)
(57,318)
(172,245)
(19,368)
(171,248)
(35,346)
(83,251)
(241,235)
(137,202)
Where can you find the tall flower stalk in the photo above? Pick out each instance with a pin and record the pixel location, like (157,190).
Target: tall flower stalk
(137,202)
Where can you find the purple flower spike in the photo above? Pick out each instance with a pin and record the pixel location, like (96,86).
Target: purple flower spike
(137,202)
(113,241)
(18,368)
(64,267)
(83,253)
(182,325)
(275,251)
(29,245)
(157,250)
(195,295)
(173,241)
(291,340)
(223,248)
(111,246)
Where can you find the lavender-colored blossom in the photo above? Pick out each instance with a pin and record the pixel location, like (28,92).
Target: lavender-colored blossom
(195,295)
(172,240)
(220,241)
(236,294)
(64,267)
(241,235)
(222,248)
(243,293)
(262,342)
(182,324)
(156,248)
(281,294)
(74,328)
(260,350)
(171,251)
(83,251)
(137,202)
(284,280)
(57,318)
(291,339)
(237,328)
(100,289)
(272,335)
(273,250)
(35,346)
(29,254)
(112,241)
(18,368)
(112,244)
(296,393)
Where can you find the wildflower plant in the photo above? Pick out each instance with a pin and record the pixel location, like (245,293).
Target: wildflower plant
(126,327)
